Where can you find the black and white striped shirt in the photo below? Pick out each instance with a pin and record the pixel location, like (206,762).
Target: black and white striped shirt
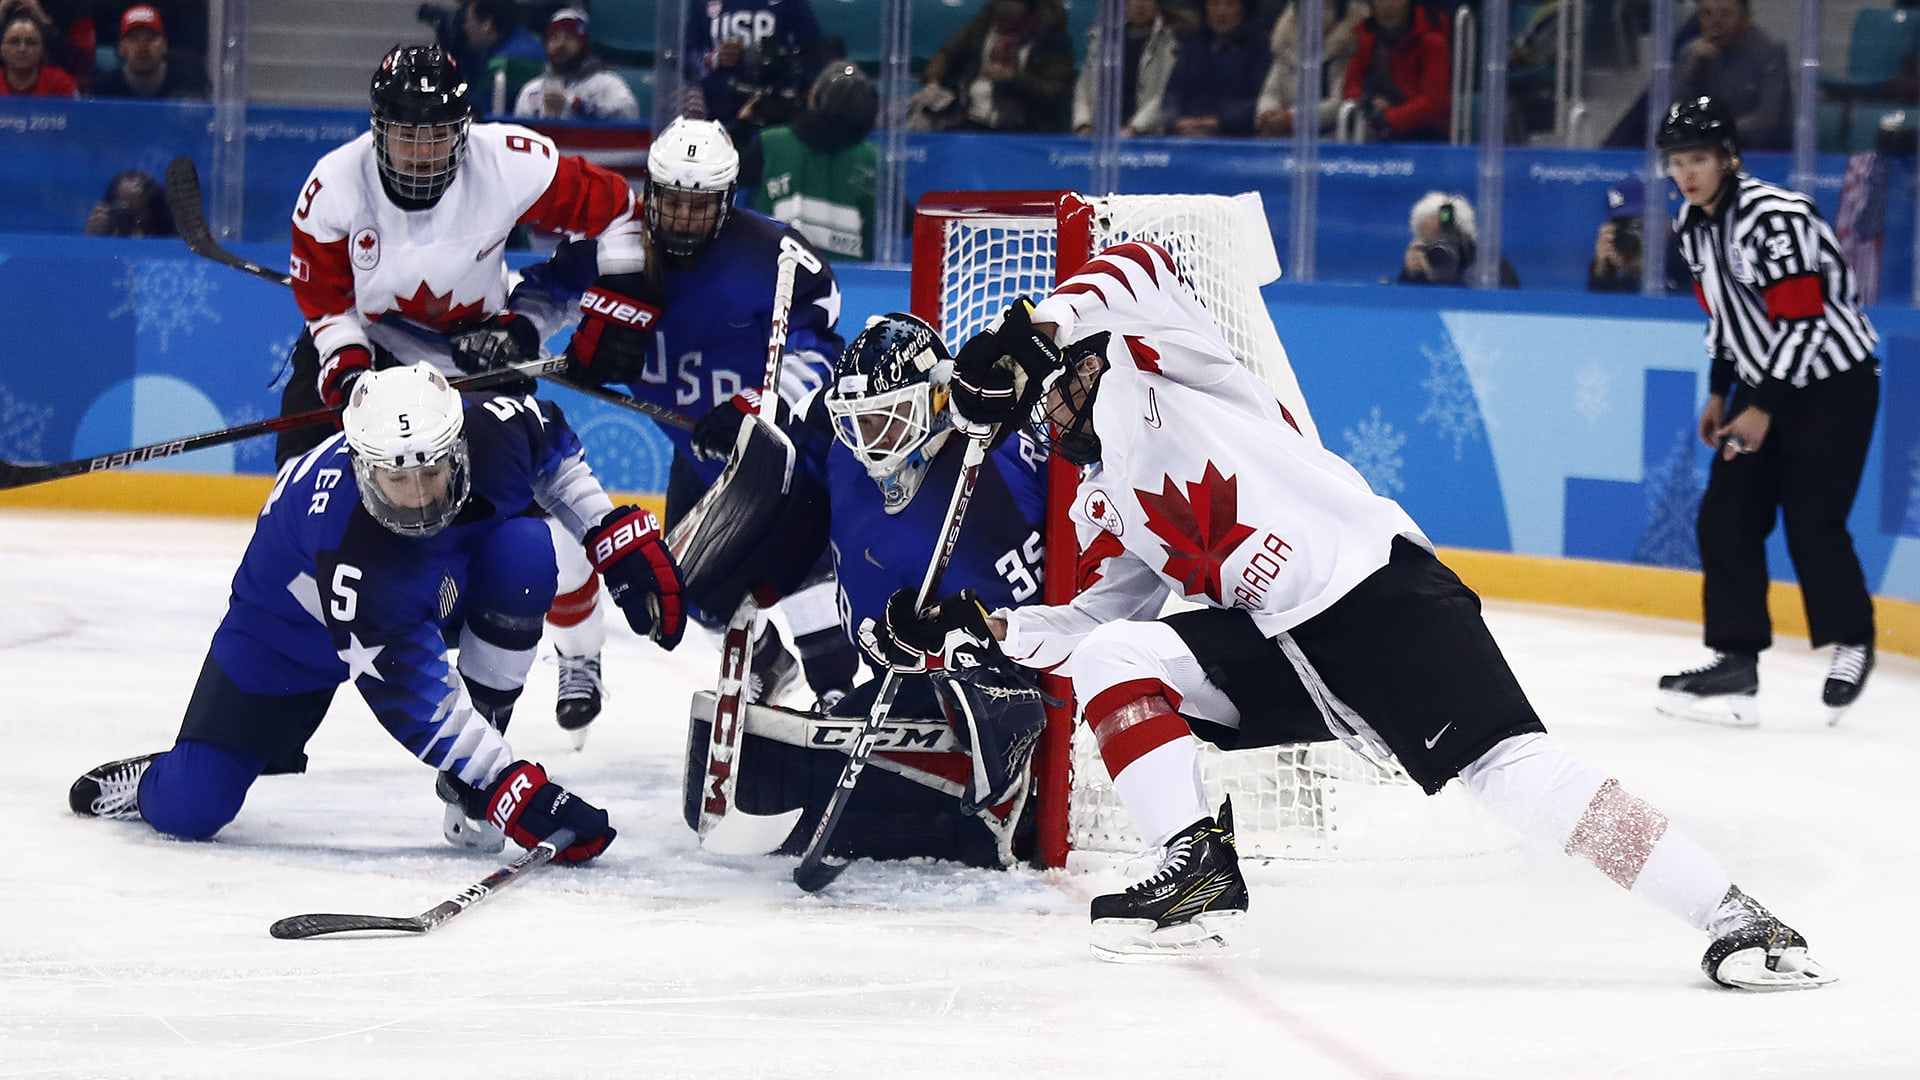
(1783,306)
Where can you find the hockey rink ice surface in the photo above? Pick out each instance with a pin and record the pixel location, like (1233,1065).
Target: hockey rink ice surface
(123,954)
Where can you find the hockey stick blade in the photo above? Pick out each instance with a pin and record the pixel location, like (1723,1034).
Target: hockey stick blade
(741,833)
(297,927)
(190,221)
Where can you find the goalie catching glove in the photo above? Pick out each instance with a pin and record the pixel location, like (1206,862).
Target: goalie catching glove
(1000,375)
(627,549)
(528,807)
(951,635)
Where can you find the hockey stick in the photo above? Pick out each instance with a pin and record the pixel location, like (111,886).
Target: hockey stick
(13,476)
(296,927)
(725,829)
(815,872)
(190,221)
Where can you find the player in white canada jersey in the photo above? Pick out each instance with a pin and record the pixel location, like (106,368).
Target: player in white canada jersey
(399,239)
(1322,606)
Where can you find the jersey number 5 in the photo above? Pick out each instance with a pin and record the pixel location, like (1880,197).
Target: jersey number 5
(345,602)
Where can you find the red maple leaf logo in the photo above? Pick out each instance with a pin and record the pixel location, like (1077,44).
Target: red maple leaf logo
(1200,530)
(1098,507)
(429,309)
(366,242)
(1145,356)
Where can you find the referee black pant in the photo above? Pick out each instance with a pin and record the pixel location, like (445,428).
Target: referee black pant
(1806,474)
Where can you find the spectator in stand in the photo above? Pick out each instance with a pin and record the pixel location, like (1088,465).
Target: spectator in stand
(134,204)
(819,174)
(1149,42)
(23,53)
(1445,244)
(147,68)
(745,57)
(1010,69)
(494,32)
(575,86)
(1342,18)
(1399,74)
(68,26)
(1739,66)
(1216,80)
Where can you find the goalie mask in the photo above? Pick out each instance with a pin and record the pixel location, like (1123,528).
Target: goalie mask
(1063,417)
(888,399)
(692,169)
(420,120)
(405,431)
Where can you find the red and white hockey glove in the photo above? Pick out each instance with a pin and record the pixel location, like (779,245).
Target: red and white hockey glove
(631,555)
(340,371)
(528,807)
(617,319)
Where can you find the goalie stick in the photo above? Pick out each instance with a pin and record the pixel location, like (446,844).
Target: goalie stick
(190,221)
(296,927)
(14,475)
(815,872)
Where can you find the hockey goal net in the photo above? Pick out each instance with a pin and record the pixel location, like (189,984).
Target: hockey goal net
(976,252)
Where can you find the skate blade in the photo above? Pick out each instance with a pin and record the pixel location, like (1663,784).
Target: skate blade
(1136,941)
(578,737)
(1835,712)
(464,832)
(1726,710)
(1748,970)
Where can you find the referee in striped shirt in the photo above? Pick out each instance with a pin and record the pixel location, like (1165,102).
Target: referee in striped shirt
(1794,386)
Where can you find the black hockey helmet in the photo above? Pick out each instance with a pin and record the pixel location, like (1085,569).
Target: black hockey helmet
(888,398)
(1698,122)
(421,112)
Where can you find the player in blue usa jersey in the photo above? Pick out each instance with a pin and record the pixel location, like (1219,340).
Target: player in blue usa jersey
(690,334)
(878,440)
(403,537)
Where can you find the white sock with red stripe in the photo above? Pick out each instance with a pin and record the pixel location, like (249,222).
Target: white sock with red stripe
(575,623)
(1555,800)
(1151,755)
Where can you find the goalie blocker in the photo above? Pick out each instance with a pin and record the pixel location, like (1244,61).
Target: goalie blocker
(911,801)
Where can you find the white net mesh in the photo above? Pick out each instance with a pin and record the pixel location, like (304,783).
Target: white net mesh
(1302,801)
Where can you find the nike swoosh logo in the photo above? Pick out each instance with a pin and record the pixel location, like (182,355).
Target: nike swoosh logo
(1153,408)
(489,249)
(875,561)
(1437,734)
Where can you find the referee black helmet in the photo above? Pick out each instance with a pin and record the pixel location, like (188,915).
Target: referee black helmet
(1698,122)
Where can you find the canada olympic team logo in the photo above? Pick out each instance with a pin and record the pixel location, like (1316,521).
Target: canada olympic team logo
(1100,510)
(365,248)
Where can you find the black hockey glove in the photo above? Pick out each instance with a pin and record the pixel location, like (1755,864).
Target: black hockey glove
(1000,374)
(499,341)
(617,318)
(528,807)
(718,429)
(632,557)
(951,635)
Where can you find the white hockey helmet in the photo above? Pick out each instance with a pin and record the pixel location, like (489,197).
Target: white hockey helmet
(888,399)
(405,430)
(692,171)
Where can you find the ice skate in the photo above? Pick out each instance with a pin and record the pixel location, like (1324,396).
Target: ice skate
(772,671)
(1723,692)
(580,693)
(1846,677)
(1189,907)
(111,790)
(462,831)
(1754,950)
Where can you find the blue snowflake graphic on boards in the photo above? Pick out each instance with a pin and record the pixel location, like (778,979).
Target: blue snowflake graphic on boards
(167,296)
(1451,404)
(1373,449)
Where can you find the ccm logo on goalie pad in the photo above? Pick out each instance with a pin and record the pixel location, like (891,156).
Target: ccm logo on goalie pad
(507,804)
(635,530)
(616,308)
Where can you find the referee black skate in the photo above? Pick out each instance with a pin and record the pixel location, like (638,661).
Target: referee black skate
(1793,388)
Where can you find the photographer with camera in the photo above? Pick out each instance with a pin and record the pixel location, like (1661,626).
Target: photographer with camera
(134,204)
(1400,74)
(1445,243)
(1619,248)
(751,61)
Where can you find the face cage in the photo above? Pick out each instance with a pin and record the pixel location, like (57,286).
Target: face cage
(685,243)
(1068,429)
(412,185)
(437,512)
(908,412)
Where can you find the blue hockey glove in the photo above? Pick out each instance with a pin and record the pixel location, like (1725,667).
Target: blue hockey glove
(952,634)
(500,341)
(628,550)
(528,807)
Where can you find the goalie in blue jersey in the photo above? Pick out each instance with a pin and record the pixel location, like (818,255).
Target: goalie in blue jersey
(392,544)
(875,462)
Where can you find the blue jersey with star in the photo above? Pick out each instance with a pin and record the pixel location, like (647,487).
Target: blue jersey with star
(876,553)
(710,342)
(325,593)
